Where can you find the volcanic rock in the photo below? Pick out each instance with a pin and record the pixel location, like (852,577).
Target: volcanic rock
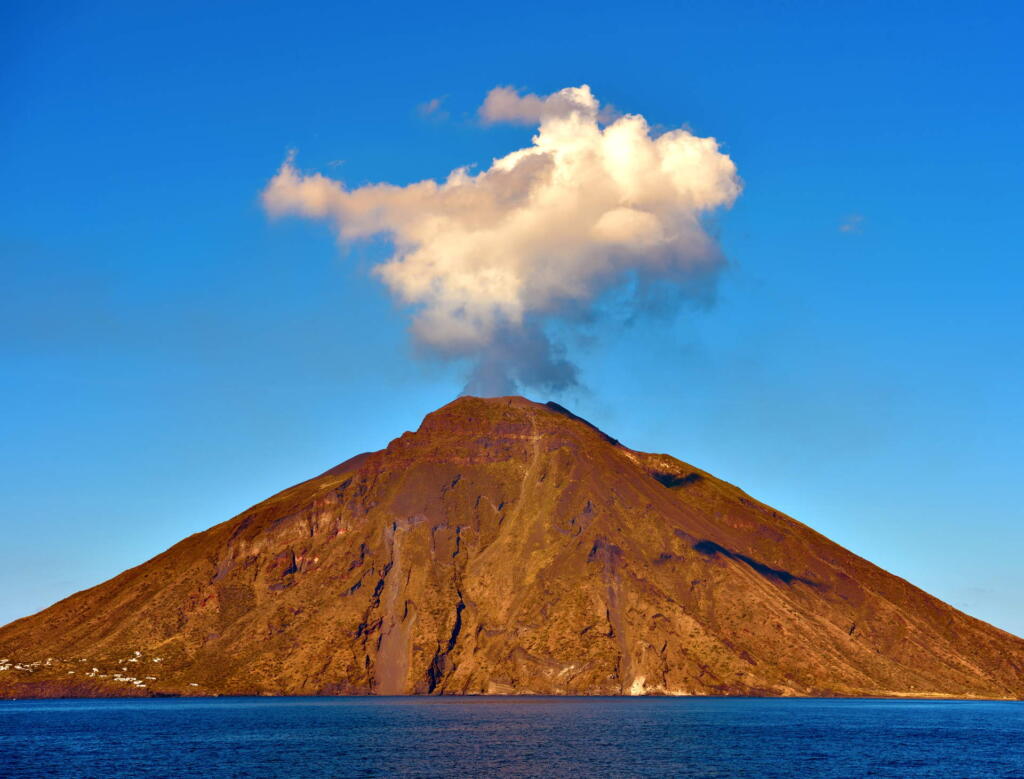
(508,547)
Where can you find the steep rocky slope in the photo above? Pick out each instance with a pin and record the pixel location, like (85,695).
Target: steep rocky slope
(508,547)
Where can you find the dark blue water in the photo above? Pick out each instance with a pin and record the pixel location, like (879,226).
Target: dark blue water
(713,737)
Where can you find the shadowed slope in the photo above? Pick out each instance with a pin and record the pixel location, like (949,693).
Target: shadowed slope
(508,547)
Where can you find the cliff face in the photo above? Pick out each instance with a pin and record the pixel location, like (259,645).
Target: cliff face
(508,547)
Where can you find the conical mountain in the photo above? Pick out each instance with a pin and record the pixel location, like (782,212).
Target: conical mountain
(508,547)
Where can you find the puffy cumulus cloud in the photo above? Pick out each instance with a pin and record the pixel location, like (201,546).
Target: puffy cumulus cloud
(505,104)
(486,259)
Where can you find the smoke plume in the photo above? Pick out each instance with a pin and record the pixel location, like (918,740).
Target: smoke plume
(487,259)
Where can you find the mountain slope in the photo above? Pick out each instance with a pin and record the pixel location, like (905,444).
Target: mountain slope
(508,547)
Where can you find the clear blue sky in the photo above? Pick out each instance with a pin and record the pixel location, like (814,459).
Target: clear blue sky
(169,356)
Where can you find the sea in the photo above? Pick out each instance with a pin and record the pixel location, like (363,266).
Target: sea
(511,736)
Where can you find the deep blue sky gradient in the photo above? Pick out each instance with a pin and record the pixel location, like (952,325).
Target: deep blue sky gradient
(169,356)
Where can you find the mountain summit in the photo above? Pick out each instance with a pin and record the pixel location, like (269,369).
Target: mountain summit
(508,547)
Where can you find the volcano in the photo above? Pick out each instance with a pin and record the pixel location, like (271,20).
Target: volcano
(508,547)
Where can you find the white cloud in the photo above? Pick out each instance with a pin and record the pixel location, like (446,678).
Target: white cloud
(505,104)
(852,224)
(433,108)
(483,257)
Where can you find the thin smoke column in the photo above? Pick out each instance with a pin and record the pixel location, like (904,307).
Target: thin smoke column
(488,260)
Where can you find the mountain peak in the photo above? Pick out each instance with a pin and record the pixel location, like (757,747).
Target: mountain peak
(508,413)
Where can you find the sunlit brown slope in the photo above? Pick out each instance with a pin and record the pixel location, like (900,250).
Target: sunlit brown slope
(508,547)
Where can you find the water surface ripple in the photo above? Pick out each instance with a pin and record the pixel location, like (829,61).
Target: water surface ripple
(487,736)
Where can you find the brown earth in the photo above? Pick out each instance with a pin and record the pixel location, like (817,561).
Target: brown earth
(508,547)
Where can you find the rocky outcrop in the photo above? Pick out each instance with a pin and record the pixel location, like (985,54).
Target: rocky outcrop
(508,547)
